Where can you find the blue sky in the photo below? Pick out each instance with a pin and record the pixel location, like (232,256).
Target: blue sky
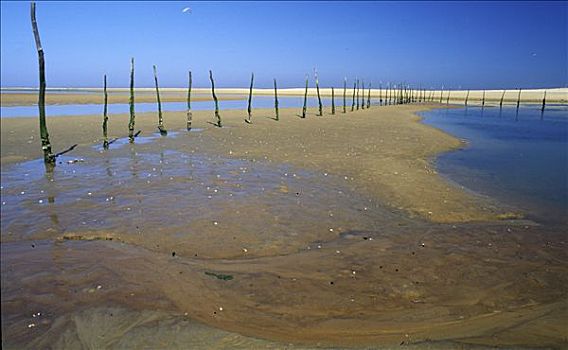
(455,44)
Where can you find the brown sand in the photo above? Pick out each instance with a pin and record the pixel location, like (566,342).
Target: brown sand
(385,151)
(379,278)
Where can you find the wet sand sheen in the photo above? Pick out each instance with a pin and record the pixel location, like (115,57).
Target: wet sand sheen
(356,271)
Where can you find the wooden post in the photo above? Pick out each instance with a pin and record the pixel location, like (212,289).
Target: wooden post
(332,100)
(369,97)
(448,98)
(354,89)
(519,99)
(217,115)
(161,128)
(362,94)
(501,102)
(319,97)
(249,108)
(380,94)
(305,99)
(357,94)
(189,113)
(543,102)
(441,92)
(131,121)
(48,156)
(466,98)
(483,100)
(276,100)
(105,115)
(344,94)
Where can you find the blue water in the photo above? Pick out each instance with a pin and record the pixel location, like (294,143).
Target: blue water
(90,109)
(519,158)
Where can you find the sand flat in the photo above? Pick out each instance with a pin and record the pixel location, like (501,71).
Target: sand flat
(335,230)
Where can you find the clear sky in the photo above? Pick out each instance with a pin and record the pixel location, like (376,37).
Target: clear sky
(455,44)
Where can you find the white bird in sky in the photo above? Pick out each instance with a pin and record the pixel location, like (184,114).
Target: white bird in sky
(187,9)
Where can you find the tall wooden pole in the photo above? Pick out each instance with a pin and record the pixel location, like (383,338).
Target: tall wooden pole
(249,108)
(48,156)
(353,101)
(543,102)
(362,94)
(319,97)
(131,121)
(344,95)
(448,98)
(466,98)
(305,106)
(519,98)
(189,113)
(105,114)
(276,101)
(217,115)
(357,94)
(369,97)
(332,100)
(483,100)
(502,97)
(161,128)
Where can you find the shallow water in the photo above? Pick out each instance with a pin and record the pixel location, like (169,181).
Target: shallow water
(116,108)
(519,157)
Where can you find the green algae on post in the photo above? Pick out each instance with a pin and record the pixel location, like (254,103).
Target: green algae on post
(249,108)
(48,156)
(217,115)
(189,113)
(131,121)
(105,115)
(277,117)
(161,128)
(305,106)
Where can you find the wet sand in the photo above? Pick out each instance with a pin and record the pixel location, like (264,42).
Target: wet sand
(324,231)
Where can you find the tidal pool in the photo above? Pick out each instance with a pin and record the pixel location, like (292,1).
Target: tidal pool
(519,156)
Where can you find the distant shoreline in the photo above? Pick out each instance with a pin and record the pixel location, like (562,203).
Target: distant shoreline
(25,96)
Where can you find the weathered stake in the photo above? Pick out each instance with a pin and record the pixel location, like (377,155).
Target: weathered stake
(161,128)
(131,121)
(483,100)
(362,94)
(276,100)
(543,102)
(448,98)
(369,97)
(466,98)
(189,113)
(332,101)
(319,97)
(344,94)
(357,94)
(217,115)
(105,115)
(353,102)
(519,99)
(502,97)
(305,106)
(48,156)
(249,108)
